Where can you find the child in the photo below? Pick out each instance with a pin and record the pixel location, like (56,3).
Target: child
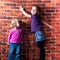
(36,28)
(14,39)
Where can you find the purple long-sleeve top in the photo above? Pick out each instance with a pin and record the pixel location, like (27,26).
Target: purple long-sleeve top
(15,36)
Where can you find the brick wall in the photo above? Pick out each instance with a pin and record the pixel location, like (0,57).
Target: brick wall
(51,14)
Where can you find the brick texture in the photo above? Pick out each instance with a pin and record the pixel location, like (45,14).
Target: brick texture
(51,14)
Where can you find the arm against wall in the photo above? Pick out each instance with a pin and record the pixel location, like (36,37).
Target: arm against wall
(24,12)
(47,24)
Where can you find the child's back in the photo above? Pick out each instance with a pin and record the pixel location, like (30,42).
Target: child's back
(15,36)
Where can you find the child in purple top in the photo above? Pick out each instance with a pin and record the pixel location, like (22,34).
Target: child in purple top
(36,28)
(14,39)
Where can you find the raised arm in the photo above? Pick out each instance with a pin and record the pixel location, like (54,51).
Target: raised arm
(24,12)
(47,24)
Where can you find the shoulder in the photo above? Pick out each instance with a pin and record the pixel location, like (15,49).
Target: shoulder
(12,30)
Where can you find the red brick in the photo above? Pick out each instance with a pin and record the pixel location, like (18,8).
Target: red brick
(55,1)
(50,13)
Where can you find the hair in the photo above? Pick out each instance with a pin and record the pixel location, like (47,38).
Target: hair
(15,23)
(38,9)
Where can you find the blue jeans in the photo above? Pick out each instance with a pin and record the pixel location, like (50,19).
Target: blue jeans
(39,35)
(14,52)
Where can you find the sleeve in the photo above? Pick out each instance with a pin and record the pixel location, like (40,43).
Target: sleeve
(9,36)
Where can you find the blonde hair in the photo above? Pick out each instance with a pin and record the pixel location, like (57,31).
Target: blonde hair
(15,23)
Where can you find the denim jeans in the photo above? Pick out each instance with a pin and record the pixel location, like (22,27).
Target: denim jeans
(14,52)
(39,35)
(40,45)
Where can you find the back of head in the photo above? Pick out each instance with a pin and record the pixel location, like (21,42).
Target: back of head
(15,23)
(36,9)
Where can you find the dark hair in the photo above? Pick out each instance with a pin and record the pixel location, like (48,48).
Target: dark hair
(38,9)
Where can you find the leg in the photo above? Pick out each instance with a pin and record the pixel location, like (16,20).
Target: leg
(39,39)
(18,47)
(11,52)
(40,44)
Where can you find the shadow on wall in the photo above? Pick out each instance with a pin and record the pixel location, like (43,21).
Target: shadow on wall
(25,45)
(45,15)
